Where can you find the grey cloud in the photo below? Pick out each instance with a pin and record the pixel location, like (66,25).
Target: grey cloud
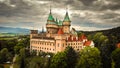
(32,11)
(87,2)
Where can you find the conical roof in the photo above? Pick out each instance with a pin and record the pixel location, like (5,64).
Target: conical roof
(60,31)
(66,17)
(60,23)
(56,21)
(50,17)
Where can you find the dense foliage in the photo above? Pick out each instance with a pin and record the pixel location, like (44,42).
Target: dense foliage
(105,54)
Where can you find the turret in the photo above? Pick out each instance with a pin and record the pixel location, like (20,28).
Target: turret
(51,25)
(66,23)
(33,33)
(50,19)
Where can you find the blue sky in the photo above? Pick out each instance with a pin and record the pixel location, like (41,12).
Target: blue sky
(86,15)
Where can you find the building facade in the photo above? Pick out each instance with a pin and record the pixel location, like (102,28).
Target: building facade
(57,37)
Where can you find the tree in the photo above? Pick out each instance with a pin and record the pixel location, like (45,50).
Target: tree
(3,55)
(17,49)
(89,58)
(17,63)
(116,57)
(71,57)
(102,42)
(36,62)
(22,52)
(59,60)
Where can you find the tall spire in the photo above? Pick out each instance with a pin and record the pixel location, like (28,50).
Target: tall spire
(50,8)
(50,17)
(66,18)
(42,29)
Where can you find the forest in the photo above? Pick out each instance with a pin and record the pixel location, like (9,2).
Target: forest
(105,54)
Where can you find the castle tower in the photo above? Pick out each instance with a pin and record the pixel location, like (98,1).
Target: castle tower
(66,23)
(51,25)
(33,33)
(60,41)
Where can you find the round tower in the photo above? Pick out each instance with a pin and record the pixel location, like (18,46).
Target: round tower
(51,25)
(66,23)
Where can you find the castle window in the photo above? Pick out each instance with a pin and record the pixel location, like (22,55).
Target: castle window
(53,49)
(63,44)
(45,43)
(58,44)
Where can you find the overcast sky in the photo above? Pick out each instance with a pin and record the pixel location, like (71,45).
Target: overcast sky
(85,15)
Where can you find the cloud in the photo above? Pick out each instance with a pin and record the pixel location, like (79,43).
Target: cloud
(94,14)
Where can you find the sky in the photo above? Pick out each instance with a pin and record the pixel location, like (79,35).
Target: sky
(85,15)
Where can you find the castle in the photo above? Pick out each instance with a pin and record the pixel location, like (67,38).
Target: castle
(57,37)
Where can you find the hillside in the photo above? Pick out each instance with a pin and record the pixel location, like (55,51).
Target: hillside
(110,32)
(14,30)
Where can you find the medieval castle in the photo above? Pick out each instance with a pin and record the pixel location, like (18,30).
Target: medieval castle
(57,37)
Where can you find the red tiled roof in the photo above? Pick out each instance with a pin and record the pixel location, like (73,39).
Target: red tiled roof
(70,38)
(87,43)
(83,36)
(74,39)
(79,39)
(60,31)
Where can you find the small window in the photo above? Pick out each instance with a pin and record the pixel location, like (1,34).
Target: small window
(63,44)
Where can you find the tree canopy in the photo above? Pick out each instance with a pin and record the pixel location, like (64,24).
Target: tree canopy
(89,58)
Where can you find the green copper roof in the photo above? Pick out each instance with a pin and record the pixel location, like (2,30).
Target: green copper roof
(66,17)
(56,21)
(51,23)
(60,23)
(50,17)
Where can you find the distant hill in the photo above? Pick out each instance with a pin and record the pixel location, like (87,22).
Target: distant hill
(112,31)
(14,30)
(109,32)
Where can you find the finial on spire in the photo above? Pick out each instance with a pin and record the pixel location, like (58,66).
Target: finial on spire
(50,8)
(42,29)
(66,9)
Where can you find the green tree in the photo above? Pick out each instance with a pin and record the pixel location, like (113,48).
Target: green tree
(36,62)
(17,63)
(116,57)
(17,49)
(59,60)
(22,52)
(89,58)
(3,55)
(102,42)
(71,57)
